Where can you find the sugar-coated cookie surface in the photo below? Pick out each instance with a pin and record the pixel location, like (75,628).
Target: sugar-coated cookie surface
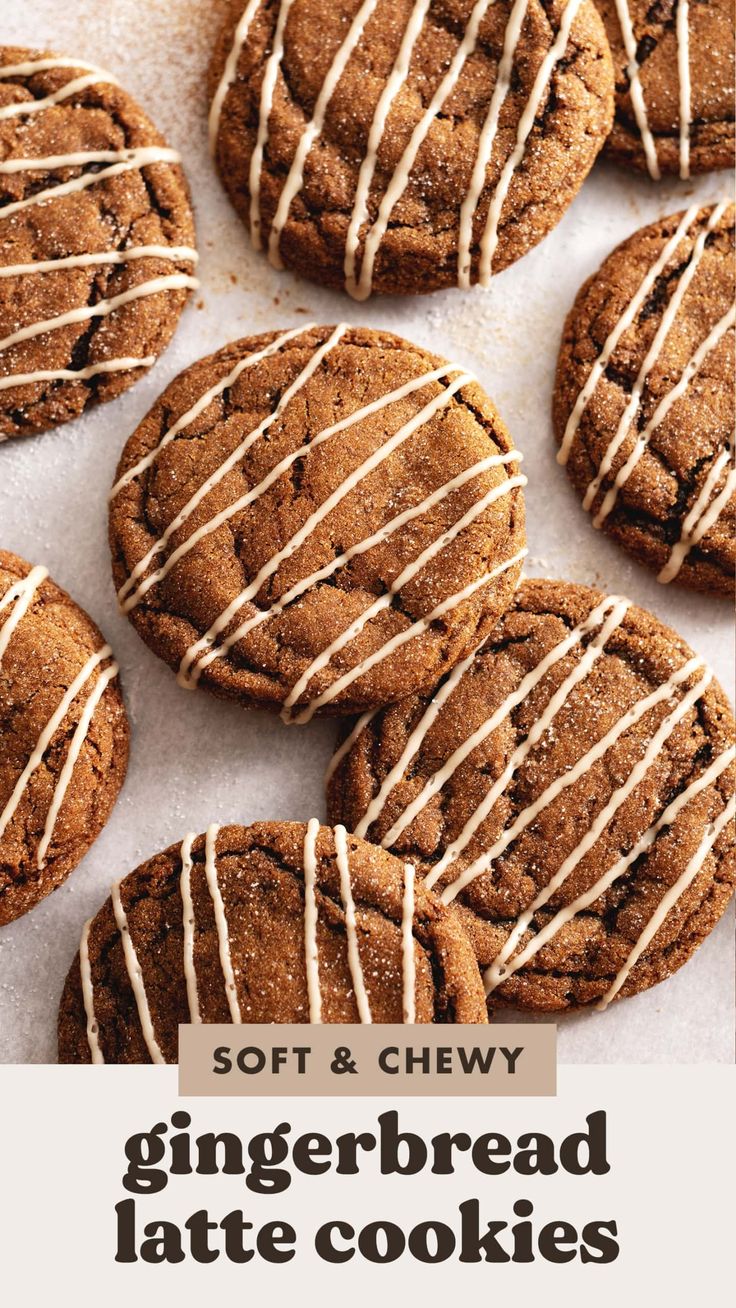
(570,788)
(63,735)
(644,408)
(319,520)
(96,237)
(400,146)
(277,922)
(674,65)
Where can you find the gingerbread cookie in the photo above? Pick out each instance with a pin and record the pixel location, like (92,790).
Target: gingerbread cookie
(674,65)
(63,735)
(96,235)
(644,398)
(277,922)
(570,786)
(321,520)
(404,147)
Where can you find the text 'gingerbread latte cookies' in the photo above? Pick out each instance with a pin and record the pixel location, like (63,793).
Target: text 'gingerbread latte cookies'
(402,147)
(674,65)
(96,236)
(570,787)
(317,521)
(277,922)
(644,408)
(63,735)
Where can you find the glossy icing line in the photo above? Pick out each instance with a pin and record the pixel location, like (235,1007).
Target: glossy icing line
(135,976)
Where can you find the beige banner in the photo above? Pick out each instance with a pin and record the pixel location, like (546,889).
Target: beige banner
(511,1059)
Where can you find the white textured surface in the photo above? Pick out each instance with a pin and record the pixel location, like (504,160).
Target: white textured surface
(194,760)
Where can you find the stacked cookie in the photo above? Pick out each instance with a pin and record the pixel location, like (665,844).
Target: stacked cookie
(533,790)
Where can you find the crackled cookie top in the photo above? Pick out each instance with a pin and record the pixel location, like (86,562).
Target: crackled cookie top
(63,735)
(644,398)
(277,922)
(404,146)
(96,237)
(319,521)
(570,786)
(674,64)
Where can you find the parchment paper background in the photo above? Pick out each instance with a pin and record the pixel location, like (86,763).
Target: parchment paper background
(195,760)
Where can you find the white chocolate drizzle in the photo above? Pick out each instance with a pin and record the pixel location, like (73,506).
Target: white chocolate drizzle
(346,893)
(295,178)
(486,141)
(408,573)
(347,744)
(618,869)
(46,738)
(135,976)
(204,651)
(638,103)
(683,73)
(489,240)
(557,701)
(171,282)
(118,162)
(22,108)
(268,86)
(409,1011)
(311,956)
(230,71)
(75,748)
(360,285)
(122,161)
(189,925)
(504,965)
(85,975)
(626,320)
(693,365)
(598,615)
(650,359)
(395,81)
(19,598)
(223,934)
(100,259)
(703,514)
(670,899)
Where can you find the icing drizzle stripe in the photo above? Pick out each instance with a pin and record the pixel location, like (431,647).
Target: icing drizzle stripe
(557,701)
(223,934)
(670,899)
(130,161)
(85,974)
(230,71)
(22,108)
(683,73)
(503,965)
(409,1013)
(648,363)
(638,103)
(346,893)
(101,258)
(704,513)
(411,570)
(435,783)
(135,976)
(73,374)
(19,598)
(189,924)
(311,958)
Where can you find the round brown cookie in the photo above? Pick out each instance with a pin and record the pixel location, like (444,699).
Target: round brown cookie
(666,122)
(96,233)
(63,735)
(571,788)
(320,521)
(379,146)
(310,929)
(644,398)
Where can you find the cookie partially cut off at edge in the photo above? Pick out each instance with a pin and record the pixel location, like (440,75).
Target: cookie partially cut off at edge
(704,46)
(63,735)
(317,521)
(533,145)
(572,790)
(643,405)
(261,874)
(96,237)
